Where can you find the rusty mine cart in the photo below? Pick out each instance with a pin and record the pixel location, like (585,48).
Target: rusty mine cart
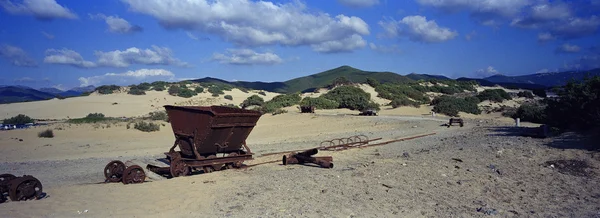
(209,138)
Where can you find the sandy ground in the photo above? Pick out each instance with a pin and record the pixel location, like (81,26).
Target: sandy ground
(482,169)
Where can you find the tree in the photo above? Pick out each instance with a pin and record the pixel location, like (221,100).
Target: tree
(577,106)
(372,82)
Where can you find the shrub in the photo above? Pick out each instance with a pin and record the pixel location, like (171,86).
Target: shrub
(452,105)
(372,82)
(494,95)
(531,113)
(159,115)
(199,89)
(146,126)
(351,97)
(279,102)
(320,103)
(158,88)
(136,91)
(253,100)
(403,101)
(340,81)
(107,89)
(216,90)
(18,120)
(577,106)
(174,90)
(228,97)
(262,93)
(525,94)
(230,105)
(186,93)
(90,118)
(393,91)
(46,134)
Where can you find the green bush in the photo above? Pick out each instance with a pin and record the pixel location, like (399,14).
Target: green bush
(452,105)
(525,94)
(90,118)
(159,115)
(174,90)
(159,85)
(107,89)
(280,101)
(534,113)
(46,134)
(186,93)
(18,120)
(199,89)
(146,126)
(228,97)
(340,81)
(372,82)
(350,97)
(136,91)
(319,103)
(393,91)
(253,100)
(262,93)
(403,101)
(577,106)
(158,88)
(216,90)
(494,95)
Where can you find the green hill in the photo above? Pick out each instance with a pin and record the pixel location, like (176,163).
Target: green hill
(319,80)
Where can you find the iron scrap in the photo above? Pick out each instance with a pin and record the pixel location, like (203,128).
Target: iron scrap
(20,188)
(307,157)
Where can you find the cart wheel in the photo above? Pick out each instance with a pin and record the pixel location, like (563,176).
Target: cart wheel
(134,174)
(236,164)
(25,188)
(113,172)
(178,168)
(6,177)
(215,167)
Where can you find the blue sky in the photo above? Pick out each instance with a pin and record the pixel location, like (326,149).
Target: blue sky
(71,43)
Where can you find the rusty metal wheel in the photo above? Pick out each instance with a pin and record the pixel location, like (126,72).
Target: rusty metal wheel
(113,172)
(25,188)
(215,167)
(179,168)
(134,174)
(235,164)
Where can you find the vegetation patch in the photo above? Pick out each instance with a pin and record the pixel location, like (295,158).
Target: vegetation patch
(280,101)
(525,94)
(253,100)
(146,126)
(159,115)
(107,89)
(494,95)
(531,112)
(91,118)
(577,106)
(46,134)
(450,105)
(262,93)
(228,97)
(320,103)
(352,98)
(199,89)
(394,91)
(403,101)
(18,120)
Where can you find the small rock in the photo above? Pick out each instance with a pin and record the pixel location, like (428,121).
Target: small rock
(324,191)
(405,155)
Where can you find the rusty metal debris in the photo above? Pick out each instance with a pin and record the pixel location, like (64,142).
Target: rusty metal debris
(117,171)
(307,157)
(209,139)
(19,188)
(455,120)
(345,143)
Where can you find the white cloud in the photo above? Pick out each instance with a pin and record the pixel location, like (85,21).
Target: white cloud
(385,49)
(575,27)
(484,11)
(417,28)
(191,35)
(339,46)
(246,57)
(542,13)
(40,9)
(16,56)
(568,48)
(24,80)
(489,71)
(359,3)
(126,78)
(154,56)
(544,37)
(255,23)
(47,35)
(117,24)
(68,57)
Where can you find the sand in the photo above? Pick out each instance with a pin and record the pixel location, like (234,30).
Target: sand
(500,173)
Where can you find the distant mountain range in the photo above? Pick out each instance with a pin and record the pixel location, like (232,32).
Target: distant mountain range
(12,94)
(9,94)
